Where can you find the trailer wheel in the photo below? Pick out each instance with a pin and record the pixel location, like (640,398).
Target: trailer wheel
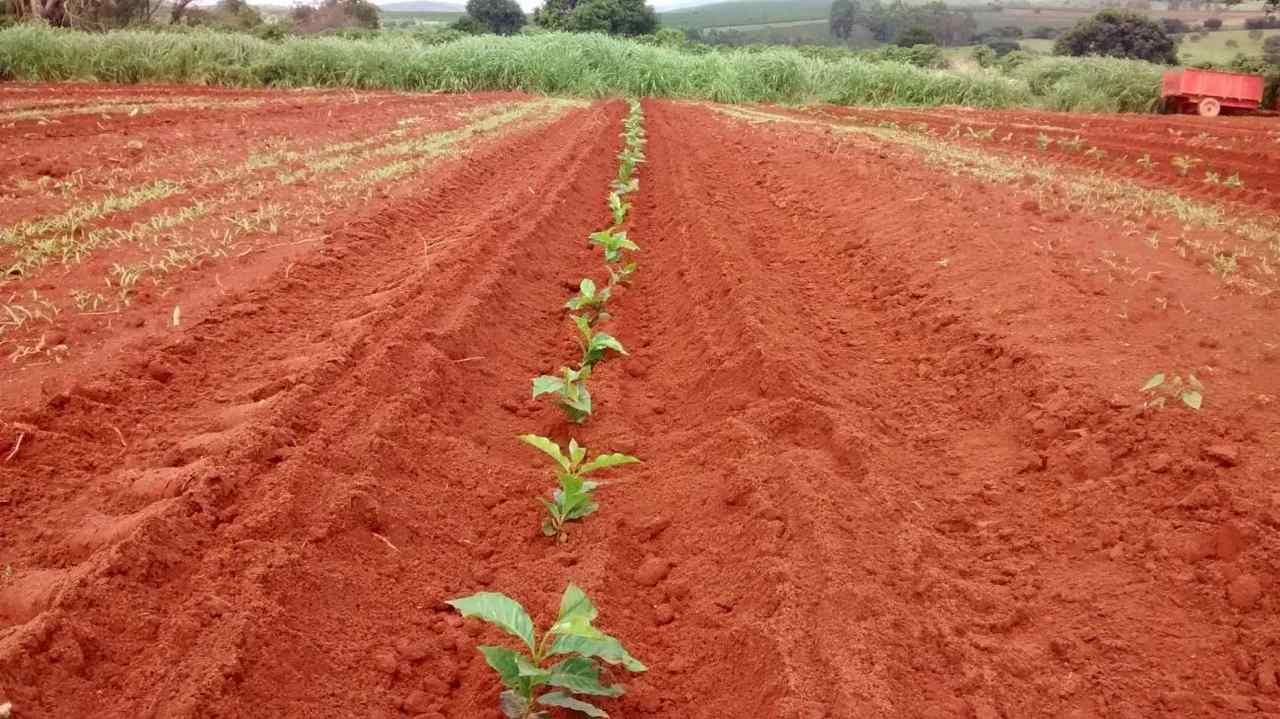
(1209,107)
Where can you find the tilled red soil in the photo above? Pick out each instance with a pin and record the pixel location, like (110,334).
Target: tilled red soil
(1248,147)
(895,459)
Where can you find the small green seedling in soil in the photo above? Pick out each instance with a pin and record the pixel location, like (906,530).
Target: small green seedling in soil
(1146,162)
(1043,141)
(1072,145)
(526,673)
(621,275)
(1184,163)
(595,344)
(613,243)
(624,185)
(1095,153)
(570,391)
(1159,389)
(1225,264)
(986,134)
(591,301)
(618,208)
(574,498)
(1234,181)
(1212,178)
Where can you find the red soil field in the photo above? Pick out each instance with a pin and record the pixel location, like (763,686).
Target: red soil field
(895,459)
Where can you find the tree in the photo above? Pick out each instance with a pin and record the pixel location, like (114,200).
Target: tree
(334,15)
(1271,50)
(469,25)
(912,36)
(1118,33)
(843,17)
(615,17)
(1212,23)
(501,17)
(1174,26)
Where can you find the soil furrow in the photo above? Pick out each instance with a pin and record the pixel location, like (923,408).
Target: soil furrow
(251,442)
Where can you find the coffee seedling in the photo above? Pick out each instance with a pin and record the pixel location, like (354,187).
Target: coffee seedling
(574,498)
(590,301)
(1234,181)
(1184,163)
(570,391)
(621,275)
(624,185)
(1146,162)
(594,344)
(1072,145)
(613,243)
(1043,141)
(618,208)
(525,673)
(1159,389)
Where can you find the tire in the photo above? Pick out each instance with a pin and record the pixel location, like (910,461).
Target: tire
(1209,107)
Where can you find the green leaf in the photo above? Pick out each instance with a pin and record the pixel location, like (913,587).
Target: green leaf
(574,602)
(530,671)
(1155,381)
(584,508)
(504,662)
(547,384)
(604,647)
(576,453)
(499,610)
(584,327)
(1192,399)
(560,699)
(551,449)
(606,460)
(587,287)
(1194,382)
(580,676)
(603,341)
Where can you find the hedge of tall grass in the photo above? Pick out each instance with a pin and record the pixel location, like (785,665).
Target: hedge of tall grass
(562,64)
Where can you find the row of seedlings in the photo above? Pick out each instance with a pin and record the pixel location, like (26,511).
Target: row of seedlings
(572,642)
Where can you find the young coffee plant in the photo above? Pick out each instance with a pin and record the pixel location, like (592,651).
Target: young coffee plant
(527,673)
(594,344)
(1072,145)
(1184,163)
(618,208)
(591,301)
(1146,162)
(574,498)
(1043,141)
(570,391)
(1234,181)
(613,243)
(1160,388)
(624,185)
(621,275)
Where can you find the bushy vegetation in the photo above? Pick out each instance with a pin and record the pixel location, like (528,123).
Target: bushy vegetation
(1118,33)
(587,65)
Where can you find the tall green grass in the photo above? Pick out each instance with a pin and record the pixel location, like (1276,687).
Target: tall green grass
(560,64)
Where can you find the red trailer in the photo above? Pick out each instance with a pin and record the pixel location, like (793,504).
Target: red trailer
(1207,92)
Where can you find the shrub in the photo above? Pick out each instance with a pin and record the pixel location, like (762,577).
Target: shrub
(1271,50)
(912,36)
(1003,47)
(1213,23)
(502,17)
(1118,33)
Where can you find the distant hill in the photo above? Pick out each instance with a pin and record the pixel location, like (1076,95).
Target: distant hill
(423,6)
(747,12)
